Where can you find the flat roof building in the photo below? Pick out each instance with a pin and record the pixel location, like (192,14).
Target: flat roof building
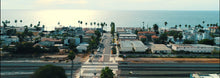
(128,46)
(160,48)
(200,48)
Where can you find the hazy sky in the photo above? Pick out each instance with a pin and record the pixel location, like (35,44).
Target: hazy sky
(112,4)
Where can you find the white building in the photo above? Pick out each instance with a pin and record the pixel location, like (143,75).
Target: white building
(71,40)
(125,46)
(139,46)
(7,40)
(217,40)
(199,48)
(160,48)
(205,76)
(128,46)
(82,47)
(127,36)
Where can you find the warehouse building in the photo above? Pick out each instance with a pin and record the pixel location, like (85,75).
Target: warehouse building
(198,48)
(130,46)
(160,48)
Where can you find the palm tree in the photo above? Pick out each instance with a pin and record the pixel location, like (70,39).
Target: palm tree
(175,26)
(165,23)
(58,23)
(94,23)
(189,26)
(203,22)
(102,25)
(31,25)
(16,22)
(86,24)
(207,25)
(71,56)
(98,25)
(186,25)
(180,25)
(20,21)
(155,27)
(90,23)
(81,22)
(38,23)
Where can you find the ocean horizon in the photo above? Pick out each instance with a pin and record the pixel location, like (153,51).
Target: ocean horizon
(122,18)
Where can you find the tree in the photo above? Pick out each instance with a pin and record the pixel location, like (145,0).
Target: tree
(207,25)
(102,25)
(112,28)
(180,35)
(71,56)
(175,26)
(188,41)
(185,25)
(175,36)
(163,37)
(106,73)
(180,25)
(165,23)
(155,27)
(203,22)
(16,22)
(20,21)
(207,41)
(31,25)
(49,71)
(81,38)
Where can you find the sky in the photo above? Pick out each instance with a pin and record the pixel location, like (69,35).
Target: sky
(112,4)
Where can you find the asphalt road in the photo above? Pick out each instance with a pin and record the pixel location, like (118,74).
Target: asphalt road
(107,47)
(165,70)
(25,69)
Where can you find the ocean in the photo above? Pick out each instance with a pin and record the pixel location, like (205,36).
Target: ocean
(50,18)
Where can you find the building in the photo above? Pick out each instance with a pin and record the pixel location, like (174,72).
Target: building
(142,37)
(148,34)
(121,30)
(205,76)
(90,33)
(217,40)
(198,48)
(154,38)
(130,46)
(139,46)
(125,46)
(50,41)
(82,47)
(86,39)
(160,48)
(7,40)
(69,40)
(127,37)
(214,29)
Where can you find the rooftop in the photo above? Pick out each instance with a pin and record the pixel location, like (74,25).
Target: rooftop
(192,45)
(146,32)
(51,39)
(90,31)
(154,36)
(125,44)
(216,27)
(138,44)
(159,47)
(127,35)
(142,36)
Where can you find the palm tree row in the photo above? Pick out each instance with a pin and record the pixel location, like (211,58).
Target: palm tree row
(102,24)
